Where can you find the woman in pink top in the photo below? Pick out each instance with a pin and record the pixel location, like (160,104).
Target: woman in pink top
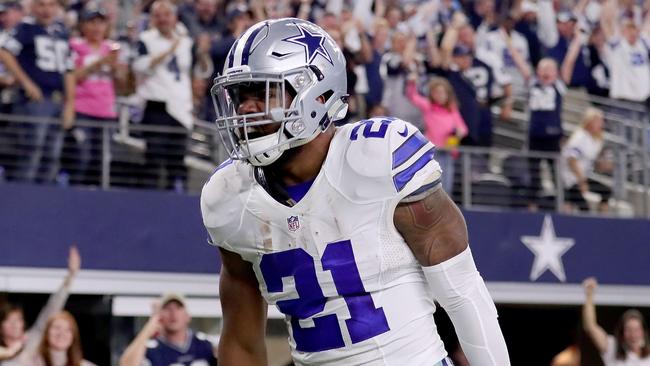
(444,126)
(95,60)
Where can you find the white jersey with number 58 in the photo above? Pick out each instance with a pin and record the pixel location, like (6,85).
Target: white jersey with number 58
(334,264)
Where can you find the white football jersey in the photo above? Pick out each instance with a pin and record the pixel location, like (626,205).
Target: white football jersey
(629,68)
(334,264)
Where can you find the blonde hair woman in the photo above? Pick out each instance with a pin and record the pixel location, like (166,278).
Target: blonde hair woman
(579,156)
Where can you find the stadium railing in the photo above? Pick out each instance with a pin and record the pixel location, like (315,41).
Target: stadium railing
(494,178)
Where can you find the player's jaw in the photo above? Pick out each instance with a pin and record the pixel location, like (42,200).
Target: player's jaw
(253,109)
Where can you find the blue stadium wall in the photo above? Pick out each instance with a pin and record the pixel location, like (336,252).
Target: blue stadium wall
(141,242)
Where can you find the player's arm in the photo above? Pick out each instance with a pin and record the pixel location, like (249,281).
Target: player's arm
(435,230)
(244,314)
(589,323)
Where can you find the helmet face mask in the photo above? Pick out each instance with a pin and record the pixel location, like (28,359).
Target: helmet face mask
(295,97)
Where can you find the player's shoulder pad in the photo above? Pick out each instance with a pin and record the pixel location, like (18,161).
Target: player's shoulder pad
(220,196)
(375,159)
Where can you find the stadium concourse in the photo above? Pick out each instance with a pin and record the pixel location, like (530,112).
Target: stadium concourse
(538,110)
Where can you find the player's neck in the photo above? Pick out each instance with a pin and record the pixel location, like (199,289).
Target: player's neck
(304,163)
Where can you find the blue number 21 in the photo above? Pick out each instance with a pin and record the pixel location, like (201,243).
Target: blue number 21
(365,320)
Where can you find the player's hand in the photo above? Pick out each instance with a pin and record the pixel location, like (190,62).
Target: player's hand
(74,261)
(32,91)
(590,284)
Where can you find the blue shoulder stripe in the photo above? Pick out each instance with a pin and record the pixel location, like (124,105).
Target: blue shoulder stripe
(402,178)
(408,148)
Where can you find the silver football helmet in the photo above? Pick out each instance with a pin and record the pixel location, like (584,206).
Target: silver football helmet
(295,73)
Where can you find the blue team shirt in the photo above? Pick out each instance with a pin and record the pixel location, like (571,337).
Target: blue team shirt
(580,76)
(473,89)
(197,352)
(43,53)
(545,106)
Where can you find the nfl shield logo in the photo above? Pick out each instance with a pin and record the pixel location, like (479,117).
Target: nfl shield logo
(293,223)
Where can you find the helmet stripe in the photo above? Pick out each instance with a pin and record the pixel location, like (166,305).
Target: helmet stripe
(231,56)
(249,44)
(238,48)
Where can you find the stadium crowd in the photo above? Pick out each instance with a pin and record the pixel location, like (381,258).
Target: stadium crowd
(455,69)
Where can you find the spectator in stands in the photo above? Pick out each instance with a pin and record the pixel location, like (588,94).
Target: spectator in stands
(569,30)
(397,63)
(535,21)
(96,64)
(165,66)
(626,53)
(599,79)
(11,14)
(351,37)
(629,345)
(443,124)
(579,155)
(58,345)
(472,79)
(12,323)
(175,342)
(545,127)
(37,55)
(491,91)
(373,68)
(237,20)
(202,17)
(511,48)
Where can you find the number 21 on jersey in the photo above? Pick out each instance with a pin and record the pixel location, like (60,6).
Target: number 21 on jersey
(365,320)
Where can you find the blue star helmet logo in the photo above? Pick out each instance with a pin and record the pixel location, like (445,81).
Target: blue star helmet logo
(313,43)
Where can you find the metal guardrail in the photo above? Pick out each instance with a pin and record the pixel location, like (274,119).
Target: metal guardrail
(493,178)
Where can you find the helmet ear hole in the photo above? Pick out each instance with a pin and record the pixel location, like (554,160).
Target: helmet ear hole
(323,98)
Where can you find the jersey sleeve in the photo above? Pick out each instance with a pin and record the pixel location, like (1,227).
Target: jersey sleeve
(414,170)
(221,202)
(383,159)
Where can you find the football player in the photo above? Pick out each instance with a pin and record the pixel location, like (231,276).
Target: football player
(345,230)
